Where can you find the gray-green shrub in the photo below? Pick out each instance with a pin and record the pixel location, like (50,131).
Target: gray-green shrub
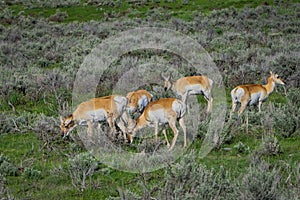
(188,179)
(4,190)
(31,173)
(261,181)
(6,167)
(270,145)
(13,123)
(80,168)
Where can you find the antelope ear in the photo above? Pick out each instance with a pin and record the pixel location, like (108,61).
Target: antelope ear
(271,72)
(61,119)
(163,77)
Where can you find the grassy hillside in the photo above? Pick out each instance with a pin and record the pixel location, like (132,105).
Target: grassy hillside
(43,44)
(97,10)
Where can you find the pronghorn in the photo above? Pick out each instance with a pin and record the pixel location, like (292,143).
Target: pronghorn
(189,85)
(160,112)
(138,100)
(108,108)
(253,93)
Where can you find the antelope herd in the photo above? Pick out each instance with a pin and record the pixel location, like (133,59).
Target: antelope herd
(115,108)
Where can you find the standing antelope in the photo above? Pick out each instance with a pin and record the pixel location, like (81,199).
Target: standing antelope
(108,108)
(138,100)
(253,93)
(160,112)
(189,85)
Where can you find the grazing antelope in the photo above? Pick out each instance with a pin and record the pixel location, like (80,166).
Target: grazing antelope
(253,93)
(138,100)
(108,108)
(160,112)
(189,85)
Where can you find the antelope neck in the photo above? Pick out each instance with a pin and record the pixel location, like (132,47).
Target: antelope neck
(270,85)
(141,122)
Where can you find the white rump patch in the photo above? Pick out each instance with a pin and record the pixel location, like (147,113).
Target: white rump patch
(179,107)
(238,94)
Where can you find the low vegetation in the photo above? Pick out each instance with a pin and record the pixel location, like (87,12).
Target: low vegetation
(43,44)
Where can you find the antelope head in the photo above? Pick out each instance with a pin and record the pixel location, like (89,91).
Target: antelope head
(167,79)
(130,132)
(67,125)
(276,78)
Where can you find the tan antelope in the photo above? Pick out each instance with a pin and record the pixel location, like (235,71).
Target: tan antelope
(108,108)
(252,93)
(161,112)
(138,100)
(190,85)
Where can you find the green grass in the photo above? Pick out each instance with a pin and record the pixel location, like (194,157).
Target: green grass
(19,146)
(24,148)
(178,9)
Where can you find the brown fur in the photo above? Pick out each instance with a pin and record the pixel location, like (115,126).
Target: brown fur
(192,80)
(81,113)
(171,116)
(134,98)
(183,88)
(262,92)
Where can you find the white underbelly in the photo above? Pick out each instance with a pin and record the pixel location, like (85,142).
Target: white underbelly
(194,89)
(254,98)
(98,115)
(157,116)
